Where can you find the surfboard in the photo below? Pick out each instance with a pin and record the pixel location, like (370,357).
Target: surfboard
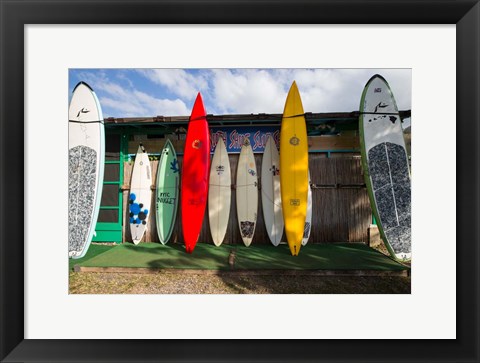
(140,195)
(219,193)
(247,193)
(86,159)
(195,172)
(271,195)
(294,169)
(385,164)
(167,192)
(308,219)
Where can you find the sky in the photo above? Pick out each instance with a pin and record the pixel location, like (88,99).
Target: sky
(172,92)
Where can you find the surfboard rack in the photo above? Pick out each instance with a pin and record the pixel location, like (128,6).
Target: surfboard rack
(234,186)
(338,186)
(323,186)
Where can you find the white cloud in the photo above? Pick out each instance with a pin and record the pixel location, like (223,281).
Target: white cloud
(233,91)
(122,75)
(340,90)
(247,91)
(122,108)
(127,101)
(322,90)
(162,107)
(177,81)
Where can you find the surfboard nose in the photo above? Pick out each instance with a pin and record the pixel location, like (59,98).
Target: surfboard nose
(198,107)
(293,91)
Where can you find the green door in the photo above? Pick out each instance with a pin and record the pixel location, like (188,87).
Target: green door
(109,223)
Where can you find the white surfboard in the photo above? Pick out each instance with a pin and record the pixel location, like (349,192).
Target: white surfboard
(308,219)
(219,193)
(271,194)
(386,169)
(86,155)
(140,195)
(247,193)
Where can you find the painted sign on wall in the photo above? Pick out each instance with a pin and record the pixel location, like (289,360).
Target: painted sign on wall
(234,136)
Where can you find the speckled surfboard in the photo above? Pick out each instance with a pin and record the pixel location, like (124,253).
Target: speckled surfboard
(385,164)
(140,195)
(86,154)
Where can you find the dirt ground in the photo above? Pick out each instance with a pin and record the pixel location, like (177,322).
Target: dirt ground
(128,283)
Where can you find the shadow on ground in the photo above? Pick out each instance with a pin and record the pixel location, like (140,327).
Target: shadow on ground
(173,256)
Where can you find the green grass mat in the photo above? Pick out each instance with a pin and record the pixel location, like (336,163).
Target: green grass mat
(93,251)
(327,256)
(338,256)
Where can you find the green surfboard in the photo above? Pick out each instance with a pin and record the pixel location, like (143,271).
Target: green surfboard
(168,179)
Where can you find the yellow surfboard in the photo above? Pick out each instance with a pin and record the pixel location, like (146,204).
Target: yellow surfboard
(294,169)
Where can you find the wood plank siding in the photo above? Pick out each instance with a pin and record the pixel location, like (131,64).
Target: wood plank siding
(341,209)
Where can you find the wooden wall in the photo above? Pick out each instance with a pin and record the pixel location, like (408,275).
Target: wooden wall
(341,213)
(347,141)
(341,209)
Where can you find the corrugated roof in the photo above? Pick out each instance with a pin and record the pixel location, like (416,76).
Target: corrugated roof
(310,117)
(329,123)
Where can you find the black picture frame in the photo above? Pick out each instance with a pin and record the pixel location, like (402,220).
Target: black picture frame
(15,14)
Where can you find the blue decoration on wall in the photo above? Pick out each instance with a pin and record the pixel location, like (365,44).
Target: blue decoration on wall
(234,137)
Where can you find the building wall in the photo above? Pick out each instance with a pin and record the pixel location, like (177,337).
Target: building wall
(341,209)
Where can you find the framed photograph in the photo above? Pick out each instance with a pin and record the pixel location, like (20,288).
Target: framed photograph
(41,41)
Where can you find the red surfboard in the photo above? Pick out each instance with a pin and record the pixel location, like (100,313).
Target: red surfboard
(195,173)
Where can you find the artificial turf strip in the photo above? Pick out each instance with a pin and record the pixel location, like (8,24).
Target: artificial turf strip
(338,256)
(93,250)
(156,255)
(326,256)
